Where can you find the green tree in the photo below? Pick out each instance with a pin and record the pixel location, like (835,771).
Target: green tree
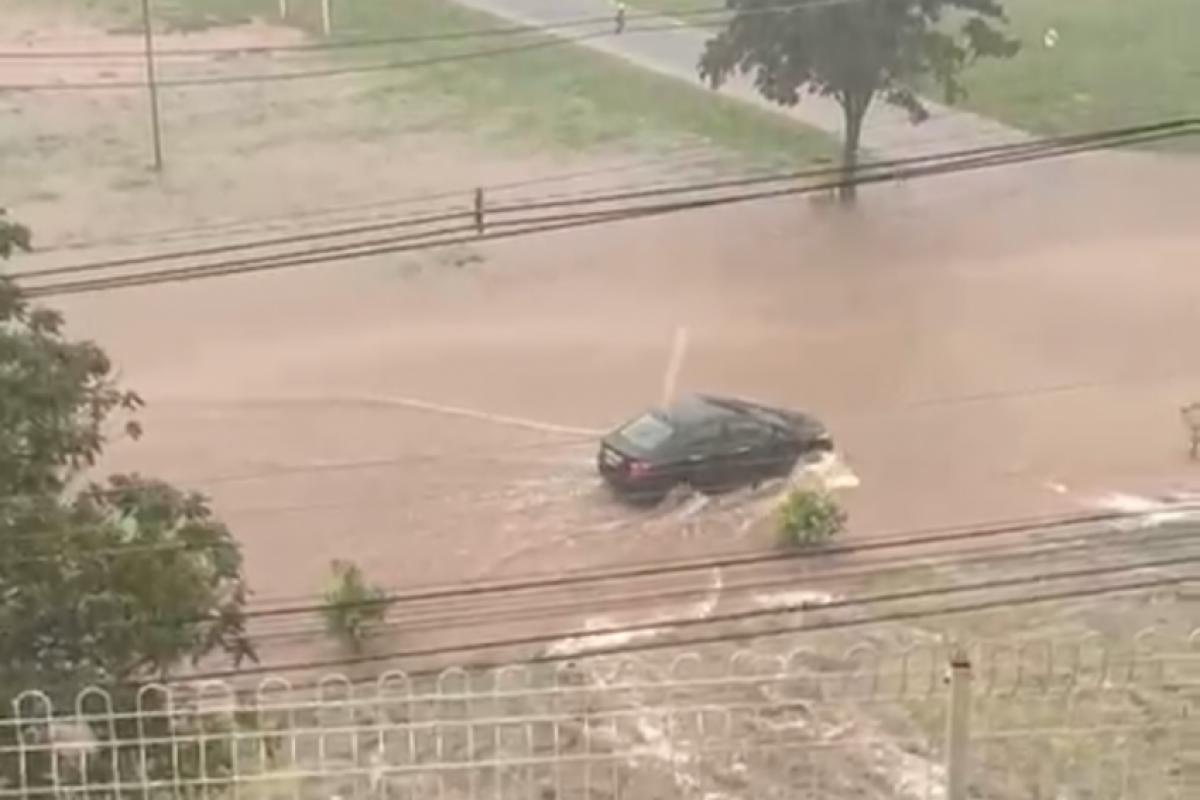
(856,51)
(108,583)
(13,236)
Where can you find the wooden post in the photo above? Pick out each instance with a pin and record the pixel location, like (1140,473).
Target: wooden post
(479,221)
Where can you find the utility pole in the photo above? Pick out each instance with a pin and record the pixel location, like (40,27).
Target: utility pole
(152,86)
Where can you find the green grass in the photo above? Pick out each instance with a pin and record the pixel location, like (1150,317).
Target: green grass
(573,96)
(681,7)
(564,96)
(1116,63)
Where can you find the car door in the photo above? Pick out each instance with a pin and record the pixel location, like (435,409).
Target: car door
(749,448)
(708,456)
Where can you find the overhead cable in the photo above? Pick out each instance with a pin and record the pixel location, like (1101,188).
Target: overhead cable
(1031,597)
(575,580)
(496,230)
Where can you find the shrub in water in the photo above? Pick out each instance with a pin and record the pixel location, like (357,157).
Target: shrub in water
(809,517)
(354,608)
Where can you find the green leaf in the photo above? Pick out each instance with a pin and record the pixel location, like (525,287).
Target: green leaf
(13,236)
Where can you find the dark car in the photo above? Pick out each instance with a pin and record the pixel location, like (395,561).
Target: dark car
(710,443)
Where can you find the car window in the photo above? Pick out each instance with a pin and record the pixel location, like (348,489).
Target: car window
(708,438)
(647,432)
(748,432)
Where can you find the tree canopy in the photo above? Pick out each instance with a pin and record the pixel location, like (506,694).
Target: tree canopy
(855,51)
(105,582)
(13,236)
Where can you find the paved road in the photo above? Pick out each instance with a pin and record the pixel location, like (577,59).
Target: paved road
(674,50)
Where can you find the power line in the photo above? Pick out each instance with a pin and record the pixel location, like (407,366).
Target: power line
(416,220)
(977,158)
(634,648)
(460,34)
(875,544)
(468,233)
(844,624)
(541,608)
(538,607)
(658,626)
(673,567)
(683,157)
(1111,537)
(694,17)
(672,25)
(425,218)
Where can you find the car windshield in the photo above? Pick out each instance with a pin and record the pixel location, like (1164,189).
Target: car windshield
(647,432)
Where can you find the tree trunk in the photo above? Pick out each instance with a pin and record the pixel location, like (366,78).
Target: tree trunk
(854,112)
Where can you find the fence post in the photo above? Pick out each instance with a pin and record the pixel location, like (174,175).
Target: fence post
(327,17)
(283,10)
(958,727)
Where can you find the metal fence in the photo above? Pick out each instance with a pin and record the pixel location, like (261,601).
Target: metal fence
(1037,720)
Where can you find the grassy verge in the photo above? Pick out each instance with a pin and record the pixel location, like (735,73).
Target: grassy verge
(1114,63)
(564,96)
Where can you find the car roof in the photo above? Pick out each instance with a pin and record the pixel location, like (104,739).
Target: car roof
(694,409)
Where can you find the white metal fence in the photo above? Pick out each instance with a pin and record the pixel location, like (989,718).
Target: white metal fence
(1038,720)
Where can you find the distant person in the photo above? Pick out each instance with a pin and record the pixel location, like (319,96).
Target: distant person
(620,18)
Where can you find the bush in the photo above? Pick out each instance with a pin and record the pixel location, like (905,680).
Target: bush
(111,586)
(809,517)
(355,610)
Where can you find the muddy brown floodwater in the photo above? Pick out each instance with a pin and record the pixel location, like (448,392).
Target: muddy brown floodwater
(973,341)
